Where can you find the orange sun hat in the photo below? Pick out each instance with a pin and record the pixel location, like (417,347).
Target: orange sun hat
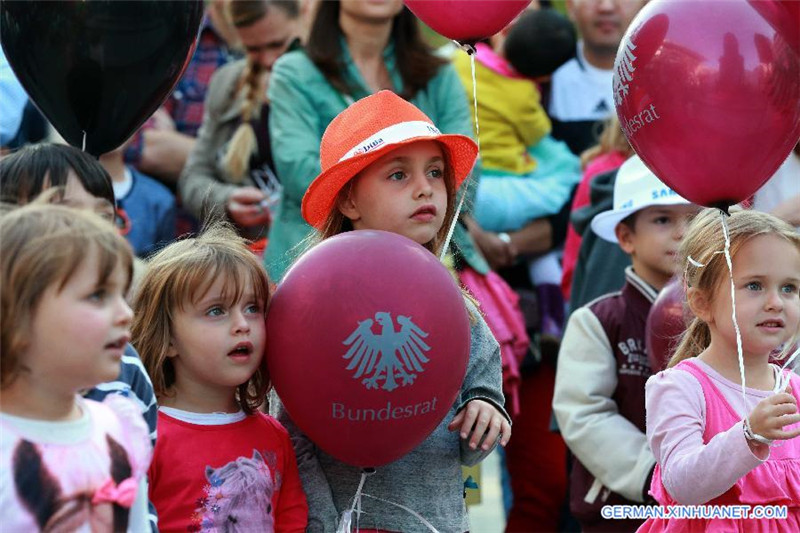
(366,131)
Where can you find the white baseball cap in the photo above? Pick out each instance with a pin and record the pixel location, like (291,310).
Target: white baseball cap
(635,189)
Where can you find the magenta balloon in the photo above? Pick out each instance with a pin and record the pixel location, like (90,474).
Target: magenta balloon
(707,94)
(666,322)
(367,345)
(467,21)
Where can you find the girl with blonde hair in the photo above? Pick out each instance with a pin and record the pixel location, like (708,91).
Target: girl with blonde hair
(714,418)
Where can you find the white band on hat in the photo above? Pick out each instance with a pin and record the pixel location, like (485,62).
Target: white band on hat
(393,134)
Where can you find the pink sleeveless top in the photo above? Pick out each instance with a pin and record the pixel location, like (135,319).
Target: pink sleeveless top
(774,482)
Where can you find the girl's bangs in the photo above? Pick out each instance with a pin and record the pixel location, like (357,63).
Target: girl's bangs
(236,272)
(75,247)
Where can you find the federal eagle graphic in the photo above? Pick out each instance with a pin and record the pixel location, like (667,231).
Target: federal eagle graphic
(391,356)
(624,72)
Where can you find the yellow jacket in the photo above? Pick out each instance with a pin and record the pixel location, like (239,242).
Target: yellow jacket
(511,117)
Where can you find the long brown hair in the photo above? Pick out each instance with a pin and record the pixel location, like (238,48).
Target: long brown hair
(415,58)
(43,245)
(180,275)
(244,13)
(703,243)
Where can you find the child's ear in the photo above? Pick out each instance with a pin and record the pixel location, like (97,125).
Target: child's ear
(625,235)
(171,350)
(348,208)
(699,303)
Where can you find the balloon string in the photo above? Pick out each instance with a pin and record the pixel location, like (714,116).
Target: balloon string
(83,144)
(443,253)
(408,510)
(475,102)
(464,185)
(783,381)
(733,303)
(345,523)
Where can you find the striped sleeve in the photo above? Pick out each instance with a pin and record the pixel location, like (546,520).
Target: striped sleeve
(134,383)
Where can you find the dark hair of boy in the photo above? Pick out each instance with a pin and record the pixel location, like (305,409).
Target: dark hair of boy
(541,41)
(34,168)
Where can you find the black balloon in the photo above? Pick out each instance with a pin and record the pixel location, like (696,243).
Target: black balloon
(99,66)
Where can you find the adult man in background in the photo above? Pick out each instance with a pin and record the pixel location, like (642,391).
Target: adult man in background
(581,96)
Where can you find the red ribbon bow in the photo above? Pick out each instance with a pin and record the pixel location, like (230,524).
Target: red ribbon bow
(123,494)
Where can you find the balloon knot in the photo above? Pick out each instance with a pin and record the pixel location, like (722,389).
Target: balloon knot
(723,206)
(469,48)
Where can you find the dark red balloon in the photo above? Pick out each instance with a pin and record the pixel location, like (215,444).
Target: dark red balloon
(467,21)
(707,94)
(99,66)
(367,345)
(666,322)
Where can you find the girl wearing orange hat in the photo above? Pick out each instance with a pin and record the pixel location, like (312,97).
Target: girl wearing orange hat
(385,166)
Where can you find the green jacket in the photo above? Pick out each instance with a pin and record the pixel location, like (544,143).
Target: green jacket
(303,103)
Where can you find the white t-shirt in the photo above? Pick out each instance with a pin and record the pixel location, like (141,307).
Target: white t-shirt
(122,188)
(581,91)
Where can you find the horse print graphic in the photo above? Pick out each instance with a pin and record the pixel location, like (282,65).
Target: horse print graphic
(41,492)
(388,356)
(238,497)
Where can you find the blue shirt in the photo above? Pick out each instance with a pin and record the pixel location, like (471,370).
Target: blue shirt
(150,210)
(12,101)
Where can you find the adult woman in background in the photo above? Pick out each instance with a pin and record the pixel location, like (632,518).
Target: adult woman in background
(231,165)
(355,48)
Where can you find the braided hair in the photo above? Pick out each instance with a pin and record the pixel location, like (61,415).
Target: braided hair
(252,83)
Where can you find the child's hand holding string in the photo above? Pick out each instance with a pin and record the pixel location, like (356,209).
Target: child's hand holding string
(770,416)
(477,418)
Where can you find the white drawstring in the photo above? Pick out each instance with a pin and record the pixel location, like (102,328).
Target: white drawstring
(346,521)
(471,51)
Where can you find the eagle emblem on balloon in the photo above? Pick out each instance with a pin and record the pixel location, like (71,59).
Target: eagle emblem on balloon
(392,356)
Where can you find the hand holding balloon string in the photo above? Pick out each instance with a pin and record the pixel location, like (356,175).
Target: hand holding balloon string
(769,417)
(780,409)
(484,422)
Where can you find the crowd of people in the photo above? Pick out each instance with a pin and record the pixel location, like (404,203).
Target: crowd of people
(135,394)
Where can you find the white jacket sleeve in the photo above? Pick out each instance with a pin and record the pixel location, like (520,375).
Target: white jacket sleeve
(613,449)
